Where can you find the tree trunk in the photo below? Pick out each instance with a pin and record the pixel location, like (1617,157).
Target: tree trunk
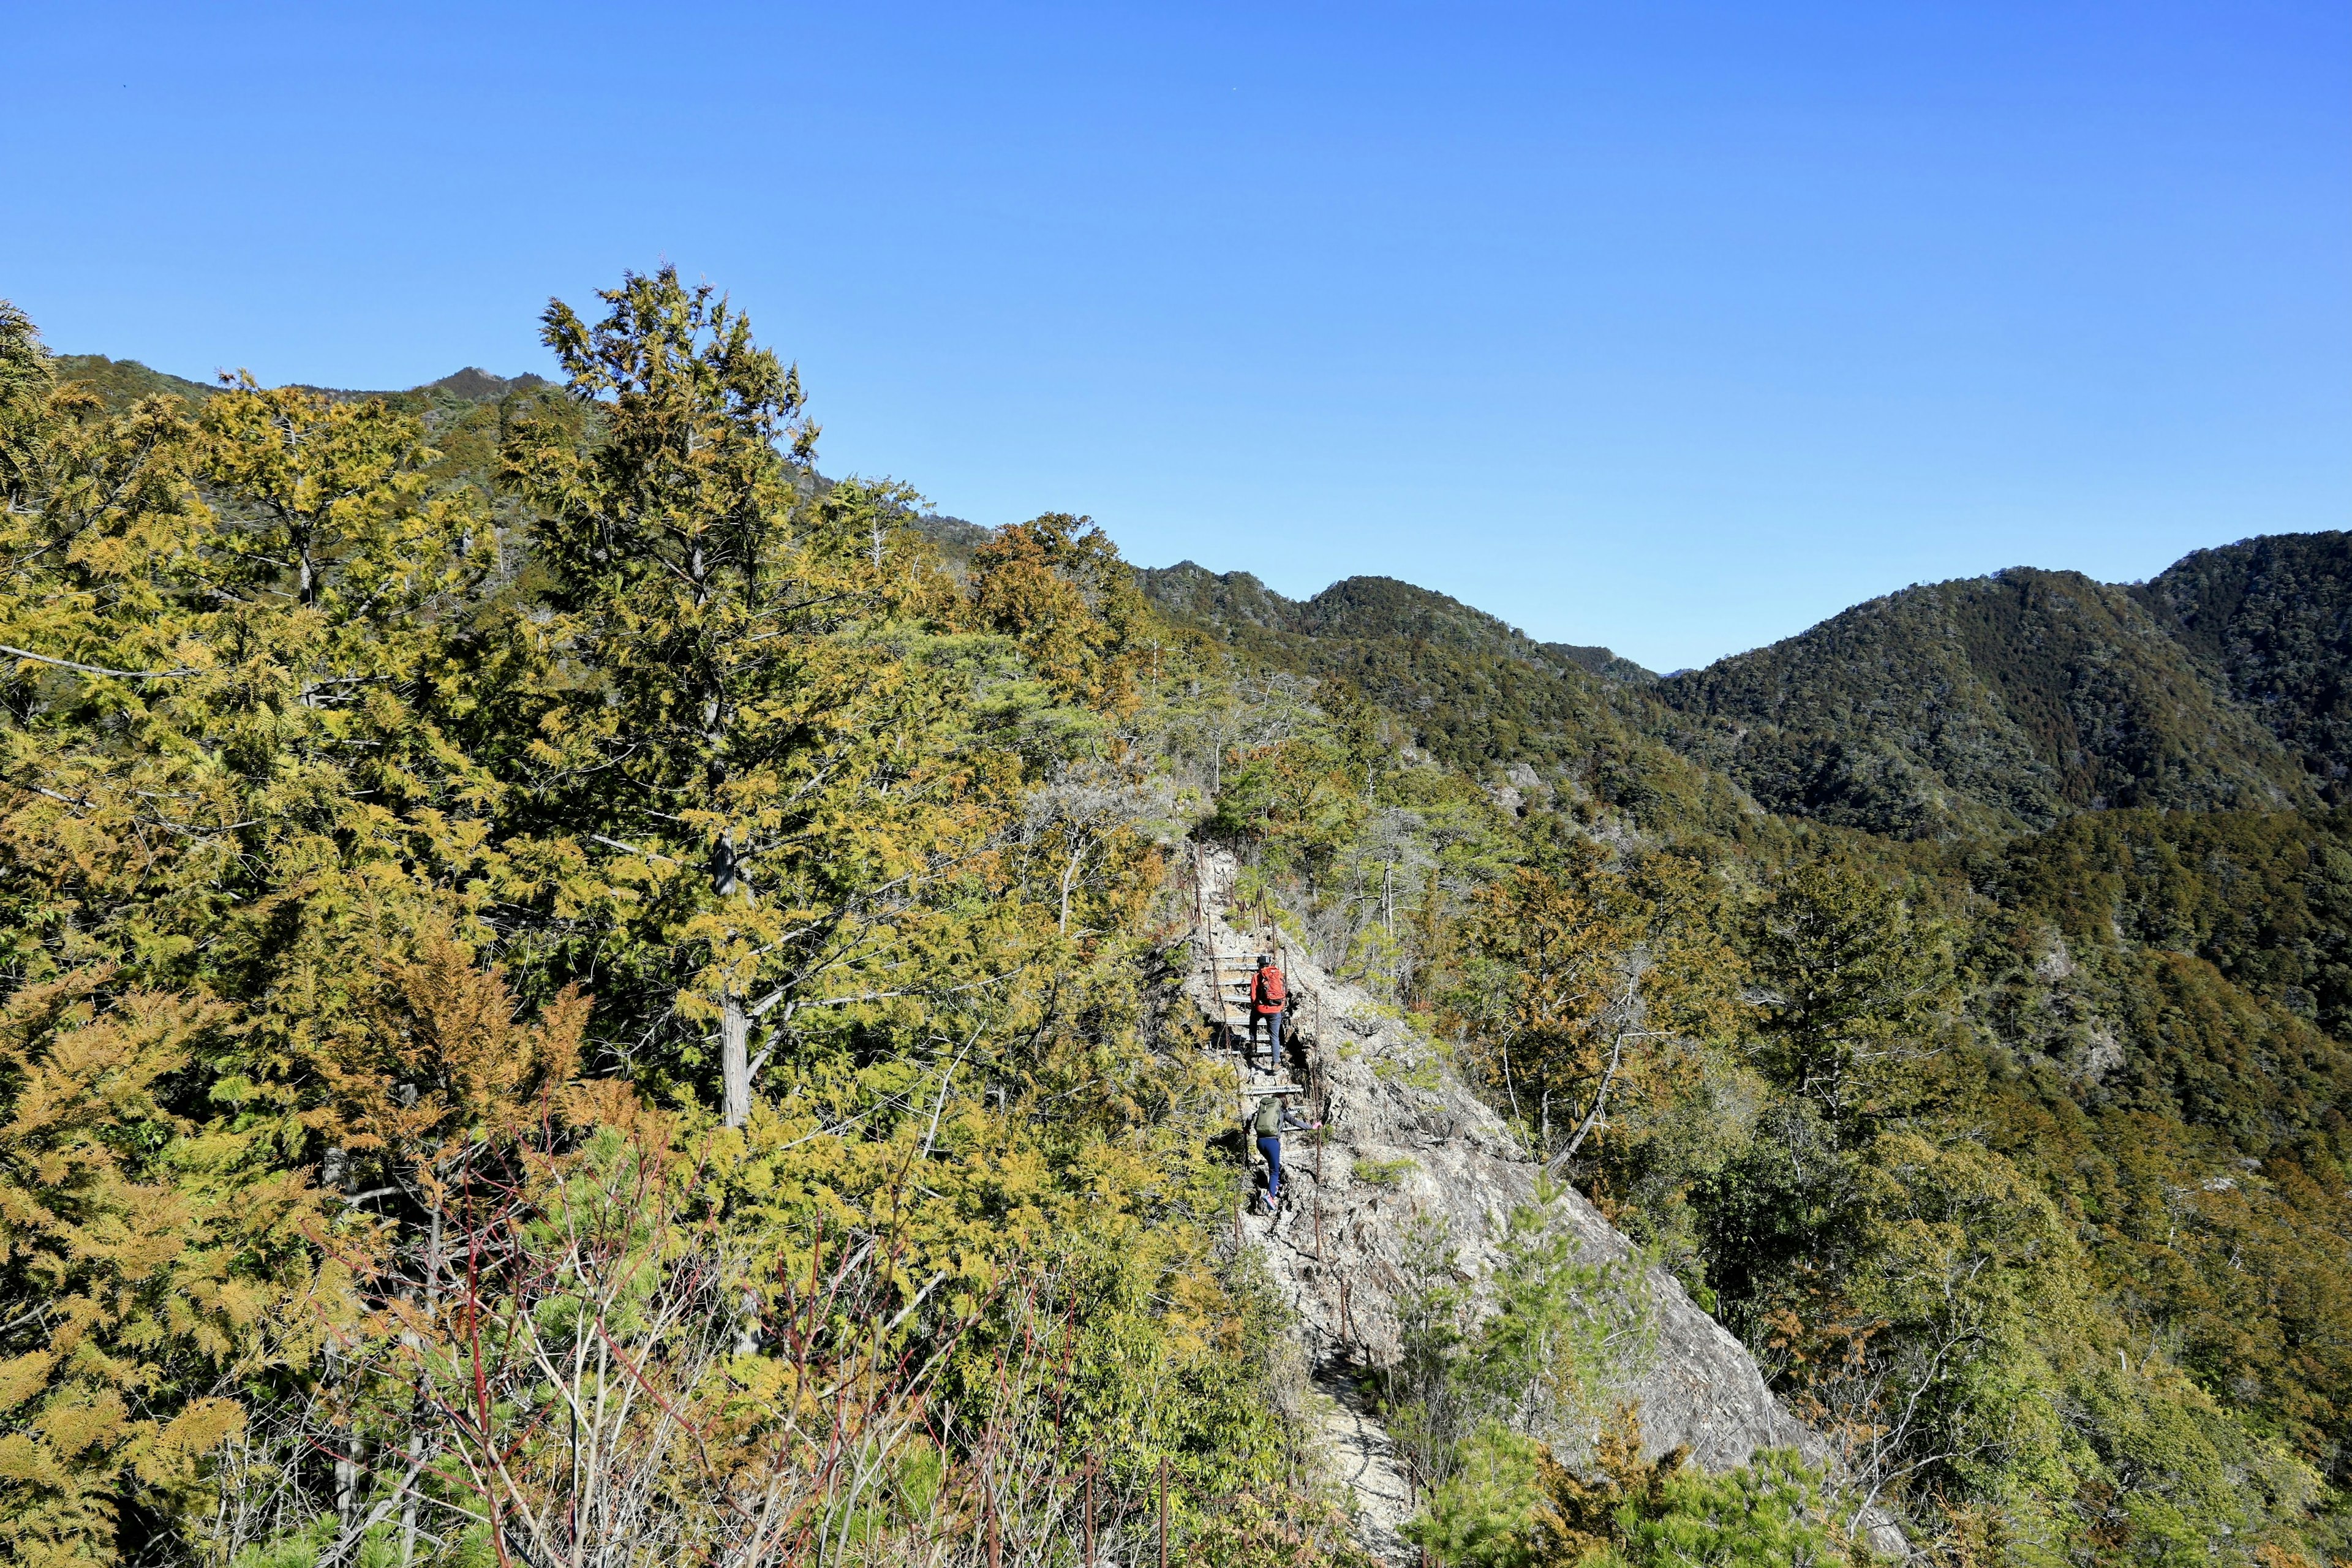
(349,1471)
(1069,875)
(728,880)
(1558,1162)
(735,1057)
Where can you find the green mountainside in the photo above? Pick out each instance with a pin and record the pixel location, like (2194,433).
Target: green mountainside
(2273,617)
(1372,608)
(496,875)
(2000,703)
(470,386)
(2113,799)
(1474,690)
(1995,702)
(1470,690)
(123,382)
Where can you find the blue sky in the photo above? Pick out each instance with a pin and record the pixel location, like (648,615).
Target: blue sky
(1669,327)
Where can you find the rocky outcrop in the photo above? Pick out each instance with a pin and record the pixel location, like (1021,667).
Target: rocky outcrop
(1407,1141)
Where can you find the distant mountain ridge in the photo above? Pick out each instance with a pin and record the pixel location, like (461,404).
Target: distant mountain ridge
(1994,703)
(1991,702)
(1380,607)
(1468,688)
(2022,697)
(122,382)
(471,384)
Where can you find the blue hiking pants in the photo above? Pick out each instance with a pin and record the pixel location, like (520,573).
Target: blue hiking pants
(1272,1149)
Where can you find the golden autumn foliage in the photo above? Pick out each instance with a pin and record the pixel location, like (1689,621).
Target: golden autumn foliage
(445,1063)
(145,1283)
(1056,585)
(1590,979)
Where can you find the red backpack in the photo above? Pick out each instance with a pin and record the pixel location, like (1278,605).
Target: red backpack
(1269,988)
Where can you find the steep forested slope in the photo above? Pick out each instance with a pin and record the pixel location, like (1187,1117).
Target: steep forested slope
(1469,690)
(2162,998)
(1993,703)
(2273,617)
(2040,1116)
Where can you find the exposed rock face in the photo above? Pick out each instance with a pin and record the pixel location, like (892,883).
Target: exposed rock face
(1390,1098)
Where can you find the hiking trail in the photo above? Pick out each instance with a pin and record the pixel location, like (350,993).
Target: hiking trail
(1405,1138)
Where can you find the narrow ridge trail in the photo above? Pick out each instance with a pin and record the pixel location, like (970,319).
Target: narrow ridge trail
(1405,1141)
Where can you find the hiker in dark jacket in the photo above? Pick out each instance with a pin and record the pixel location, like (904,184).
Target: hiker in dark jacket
(1268,996)
(1274,1116)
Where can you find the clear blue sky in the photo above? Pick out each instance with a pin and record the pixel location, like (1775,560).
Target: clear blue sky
(1671,327)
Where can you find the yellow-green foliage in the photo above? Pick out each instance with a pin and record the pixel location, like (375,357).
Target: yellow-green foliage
(419,819)
(147,1279)
(1585,976)
(1515,1505)
(354,857)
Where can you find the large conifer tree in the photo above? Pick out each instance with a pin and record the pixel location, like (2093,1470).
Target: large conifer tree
(732,744)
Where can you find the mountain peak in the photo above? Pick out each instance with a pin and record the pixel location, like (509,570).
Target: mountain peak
(476,384)
(1370,608)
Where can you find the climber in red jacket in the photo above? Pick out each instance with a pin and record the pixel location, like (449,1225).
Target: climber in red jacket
(1268,997)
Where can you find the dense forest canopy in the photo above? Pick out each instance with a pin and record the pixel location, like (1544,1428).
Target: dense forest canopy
(573,986)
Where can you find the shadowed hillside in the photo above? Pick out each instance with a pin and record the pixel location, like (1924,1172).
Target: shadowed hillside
(1997,702)
(2274,617)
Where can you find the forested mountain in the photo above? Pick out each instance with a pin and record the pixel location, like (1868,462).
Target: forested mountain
(2273,617)
(1988,703)
(123,382)
(1985,704)
(1469,690)
(1370,609)
(565,980)
(1475,688)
